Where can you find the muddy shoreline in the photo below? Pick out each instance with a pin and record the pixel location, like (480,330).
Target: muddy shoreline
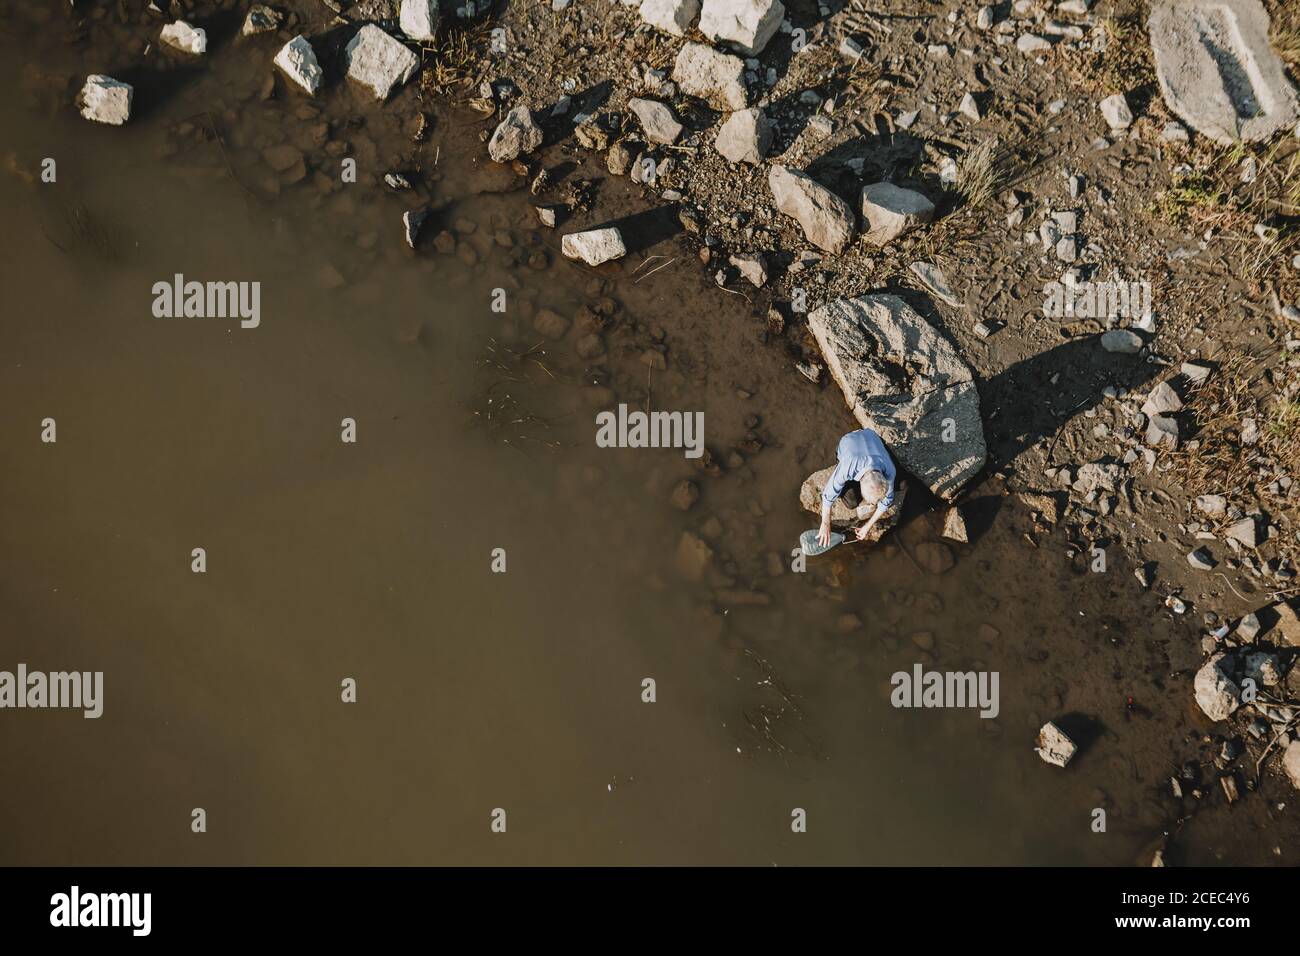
(1100,652)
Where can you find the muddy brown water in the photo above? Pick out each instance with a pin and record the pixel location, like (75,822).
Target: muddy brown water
(372,561)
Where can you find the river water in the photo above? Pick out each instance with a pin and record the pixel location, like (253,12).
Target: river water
(373,560)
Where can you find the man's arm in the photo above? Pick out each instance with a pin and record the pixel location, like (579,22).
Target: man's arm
(834,488)
(881,508)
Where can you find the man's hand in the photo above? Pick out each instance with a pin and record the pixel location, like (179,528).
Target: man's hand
(824,534)
(871,523)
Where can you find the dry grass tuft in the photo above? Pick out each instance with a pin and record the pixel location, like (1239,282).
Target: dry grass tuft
(1245,386)
(1258,217)
(1127,63)
(455,58)
(1284,32)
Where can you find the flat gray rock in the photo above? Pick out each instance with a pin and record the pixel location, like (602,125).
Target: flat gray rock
(935,281)
(745,137)
(1217,70)
(901,378)
(1122,341)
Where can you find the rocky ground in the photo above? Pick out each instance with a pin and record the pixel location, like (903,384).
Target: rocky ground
(971,161)
(1021,145)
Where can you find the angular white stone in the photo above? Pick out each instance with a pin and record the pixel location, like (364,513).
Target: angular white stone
(298,62)
(1054,746)
(745,137)
(1115,109)
(378,62)
(753,266)
(105,100)
(888,211)
(671,16)
(719,78)
(1216,692)
(744,24)
(826,219)
(419,19)
(954,526)
(594,246)
(657,120)
(1162,401)
(515,136)
(184,37)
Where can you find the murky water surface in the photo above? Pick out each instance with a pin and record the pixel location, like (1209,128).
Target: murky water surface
(327,560)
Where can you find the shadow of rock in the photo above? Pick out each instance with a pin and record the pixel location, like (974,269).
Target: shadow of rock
(1023,405)
(1082,729)
(978,513)
(643,230)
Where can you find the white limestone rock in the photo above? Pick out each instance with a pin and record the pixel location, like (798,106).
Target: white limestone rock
(186,38)
(718,78)
(297,60)
(889,211)
(1217,694)
(671,16)
(747,25)
(378,62)
(1115,110)
(105,100)
(594,246)
(657,120)
(419,19)
(826,219)
(1054,746)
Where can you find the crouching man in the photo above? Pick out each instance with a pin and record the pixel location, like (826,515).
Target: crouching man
(862,459)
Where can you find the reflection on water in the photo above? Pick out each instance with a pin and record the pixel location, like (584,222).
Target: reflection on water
(372,560)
